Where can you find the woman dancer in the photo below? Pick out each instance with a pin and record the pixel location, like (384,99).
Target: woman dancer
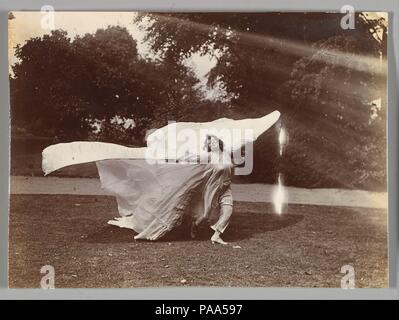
(219,157)
(201,190)
(153,197)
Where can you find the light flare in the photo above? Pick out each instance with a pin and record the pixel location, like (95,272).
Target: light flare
(279,196)
(282,139)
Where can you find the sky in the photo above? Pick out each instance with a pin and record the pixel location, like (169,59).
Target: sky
(35,24)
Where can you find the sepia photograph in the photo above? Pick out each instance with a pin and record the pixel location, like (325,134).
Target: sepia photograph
(198,149)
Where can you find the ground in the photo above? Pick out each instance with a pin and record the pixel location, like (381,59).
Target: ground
(304,247)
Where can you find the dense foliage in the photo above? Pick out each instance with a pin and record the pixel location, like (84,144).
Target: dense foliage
(322,78)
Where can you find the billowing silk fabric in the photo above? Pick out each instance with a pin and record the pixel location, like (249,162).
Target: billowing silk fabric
(159,145)
(153,198)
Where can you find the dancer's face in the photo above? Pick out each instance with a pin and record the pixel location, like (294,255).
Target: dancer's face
(214,144)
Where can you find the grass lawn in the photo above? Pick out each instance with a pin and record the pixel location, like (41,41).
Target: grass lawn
(305,247)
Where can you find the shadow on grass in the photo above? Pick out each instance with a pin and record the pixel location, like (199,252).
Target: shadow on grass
(243,225)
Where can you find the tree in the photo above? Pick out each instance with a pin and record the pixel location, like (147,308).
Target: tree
(333,94)
(287,61)
(255,51)
(42,97)
(60,86)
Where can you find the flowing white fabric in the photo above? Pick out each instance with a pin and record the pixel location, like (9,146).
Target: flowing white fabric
(153,198)
(154,195)
(187,138)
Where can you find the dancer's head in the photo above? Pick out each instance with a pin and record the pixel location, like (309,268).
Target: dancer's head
(213,143)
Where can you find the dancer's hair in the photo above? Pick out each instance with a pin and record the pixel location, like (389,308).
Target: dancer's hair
(208,139)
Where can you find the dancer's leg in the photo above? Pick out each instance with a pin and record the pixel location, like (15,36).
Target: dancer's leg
(221,225)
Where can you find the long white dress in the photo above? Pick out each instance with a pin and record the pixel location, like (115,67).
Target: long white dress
(154,198)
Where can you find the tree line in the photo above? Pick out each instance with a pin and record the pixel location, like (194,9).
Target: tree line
(322,78)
